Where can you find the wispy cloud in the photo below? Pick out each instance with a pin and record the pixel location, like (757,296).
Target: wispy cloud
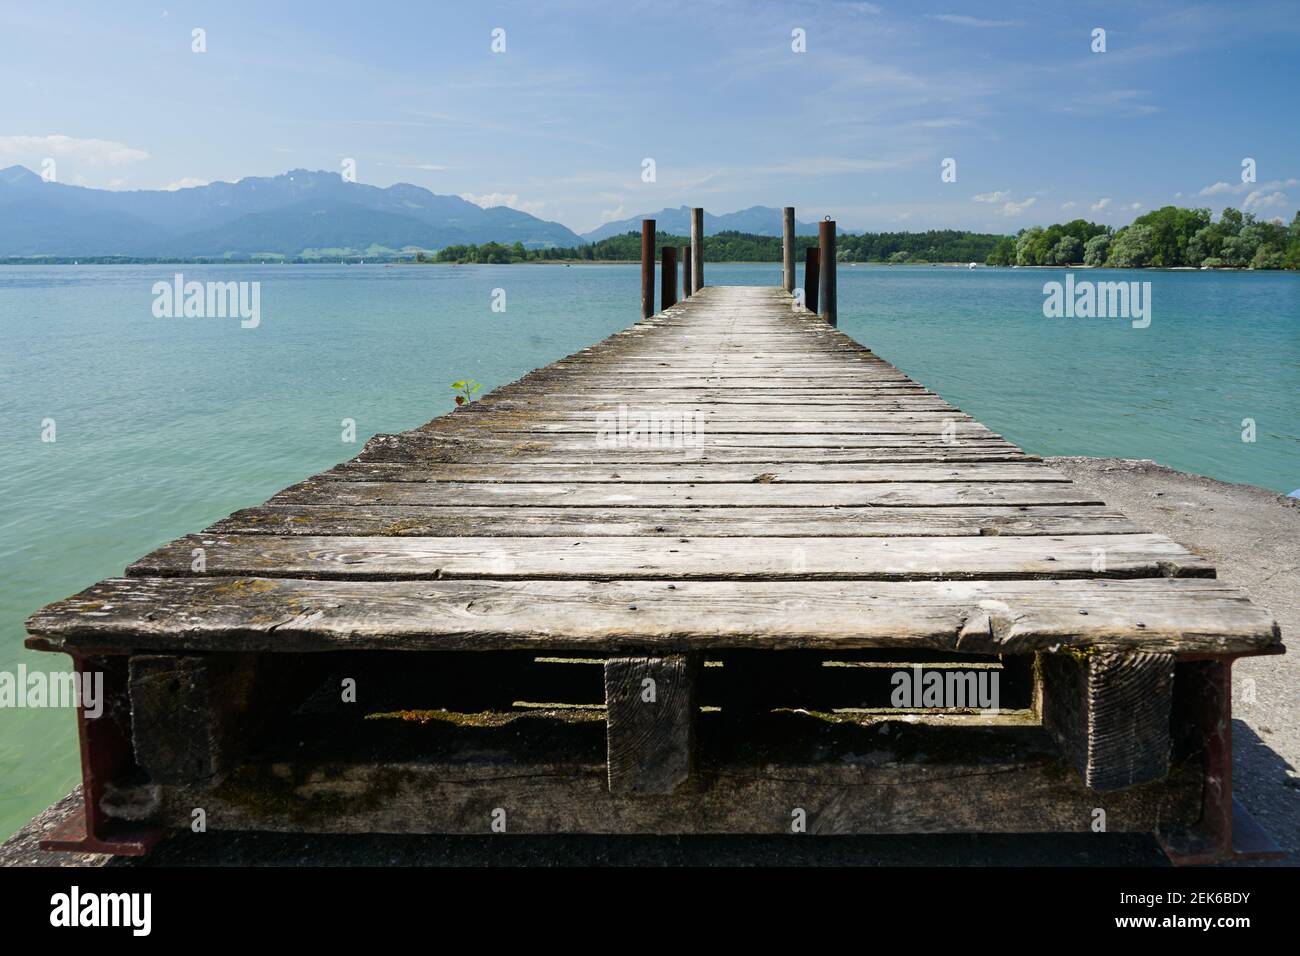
(488,200)
(1100,204)
(962,20)
(89,152)
(991,197)
(1016,208)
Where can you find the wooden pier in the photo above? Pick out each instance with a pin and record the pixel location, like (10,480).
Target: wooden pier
(666,585)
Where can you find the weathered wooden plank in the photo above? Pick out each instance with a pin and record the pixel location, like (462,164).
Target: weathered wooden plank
(888,778)
(691,472)
(421,520)
(1110,714)
(529,451)
(607,558)
(665,495)
(650,714)
(1164,615)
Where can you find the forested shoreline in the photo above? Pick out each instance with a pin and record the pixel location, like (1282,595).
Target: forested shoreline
(1170,237)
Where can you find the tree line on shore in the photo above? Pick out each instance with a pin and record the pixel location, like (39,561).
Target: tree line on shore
(939,245)
(1169,237)
(1163,238)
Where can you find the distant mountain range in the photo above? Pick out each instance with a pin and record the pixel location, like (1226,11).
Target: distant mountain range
(297,213)
(300,213)
(756,220)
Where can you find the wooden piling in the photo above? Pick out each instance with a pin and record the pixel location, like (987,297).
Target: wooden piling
(647,268)
(668,278)
(826,258)
(697,249)
(787,258)
(686,271)
(811,276)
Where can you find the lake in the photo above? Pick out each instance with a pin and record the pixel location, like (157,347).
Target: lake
(163,425)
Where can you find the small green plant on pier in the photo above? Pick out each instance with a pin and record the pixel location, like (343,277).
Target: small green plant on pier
(465,389)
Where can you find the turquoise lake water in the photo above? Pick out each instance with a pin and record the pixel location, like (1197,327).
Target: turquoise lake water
(164,425)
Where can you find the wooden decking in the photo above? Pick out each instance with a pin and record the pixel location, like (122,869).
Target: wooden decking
(805,493)
(732,478)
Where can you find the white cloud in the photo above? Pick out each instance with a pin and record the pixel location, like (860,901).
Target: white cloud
(1216,189)
(1135,205)
(1259,200)
(487,200)
(1068,205)
(1221,188)
(1016,208)
(610,215)
(904,215)
(991,197)
(964,21)
(88,152)
(185,182)
(1101,204)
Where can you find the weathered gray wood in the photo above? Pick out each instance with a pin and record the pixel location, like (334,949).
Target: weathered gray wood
(787,248)
(427,521)
(697,249)
(692,472)
(391,448)
(1160,615)
(1110,714)
(664,495)
(927,778)
(192,717)
(671,559)
(650,713)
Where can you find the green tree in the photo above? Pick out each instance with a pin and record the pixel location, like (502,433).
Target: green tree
(1068,251)
(1096,250)
(1132,247)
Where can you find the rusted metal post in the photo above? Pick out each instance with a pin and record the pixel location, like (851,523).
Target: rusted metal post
(668,277)
(811,275)
(826,257)
(647,268)
(787,247)
(697,250)
(686,271)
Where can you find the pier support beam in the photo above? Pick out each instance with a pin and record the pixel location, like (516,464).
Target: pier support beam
(668,278)
(685,258)
(826,257)
(1109,713)
(647,268)
(787,249)
(650,705)
(697,249)
(811,276)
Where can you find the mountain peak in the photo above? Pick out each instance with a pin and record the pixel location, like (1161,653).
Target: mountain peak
(19,176)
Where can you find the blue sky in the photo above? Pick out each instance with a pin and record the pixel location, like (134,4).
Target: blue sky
(855,128)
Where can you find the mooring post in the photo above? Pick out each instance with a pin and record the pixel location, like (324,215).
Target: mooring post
(826,257)
(697,250)
(668,278)
(647,268)
(811,270)
(686,271)
(787,259)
